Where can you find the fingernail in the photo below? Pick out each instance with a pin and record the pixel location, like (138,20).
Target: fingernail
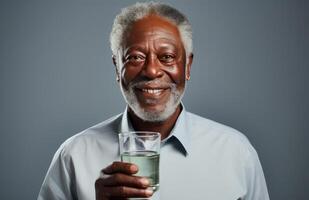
(148,192)
(145,181)
(133,168)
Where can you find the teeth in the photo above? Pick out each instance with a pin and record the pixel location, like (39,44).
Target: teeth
(152,91)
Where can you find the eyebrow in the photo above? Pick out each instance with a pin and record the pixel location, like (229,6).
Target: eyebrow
(166,46)
(133,47)
(140,47)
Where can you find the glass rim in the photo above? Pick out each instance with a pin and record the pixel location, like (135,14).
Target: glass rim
(143,133)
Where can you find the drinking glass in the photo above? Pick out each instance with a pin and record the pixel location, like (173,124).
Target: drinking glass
(143,149)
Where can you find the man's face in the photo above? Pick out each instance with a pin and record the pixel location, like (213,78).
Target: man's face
(153,68)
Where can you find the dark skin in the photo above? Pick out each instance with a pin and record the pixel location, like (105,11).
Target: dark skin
(153,50)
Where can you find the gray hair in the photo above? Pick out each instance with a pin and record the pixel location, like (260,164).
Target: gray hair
(133,13)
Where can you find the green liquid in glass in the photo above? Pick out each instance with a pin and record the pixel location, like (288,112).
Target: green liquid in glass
(148,164)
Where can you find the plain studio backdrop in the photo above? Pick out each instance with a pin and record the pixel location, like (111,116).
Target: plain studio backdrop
(250,71)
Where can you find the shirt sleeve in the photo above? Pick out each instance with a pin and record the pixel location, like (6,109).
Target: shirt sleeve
(58,182)
(256,184)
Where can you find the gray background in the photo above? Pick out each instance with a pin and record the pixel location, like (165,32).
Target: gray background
(250,72)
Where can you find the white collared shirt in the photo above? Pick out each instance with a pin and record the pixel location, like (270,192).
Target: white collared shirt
(201,159)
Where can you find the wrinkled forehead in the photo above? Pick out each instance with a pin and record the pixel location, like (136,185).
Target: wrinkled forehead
(152,26)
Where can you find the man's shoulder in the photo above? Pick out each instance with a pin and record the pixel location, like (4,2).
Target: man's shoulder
(217,133)
(103,132)
(103,128)
(208,125)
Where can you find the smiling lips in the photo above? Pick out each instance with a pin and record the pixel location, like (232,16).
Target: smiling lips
(155,89)
(151,92)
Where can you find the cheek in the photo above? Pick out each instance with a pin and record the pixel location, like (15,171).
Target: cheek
(177,74)
(128,74)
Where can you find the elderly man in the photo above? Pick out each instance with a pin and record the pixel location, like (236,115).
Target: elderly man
(200,159)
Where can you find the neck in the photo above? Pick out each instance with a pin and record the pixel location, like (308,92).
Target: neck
(163,127)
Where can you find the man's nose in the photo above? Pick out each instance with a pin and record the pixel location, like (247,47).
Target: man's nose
(152,68)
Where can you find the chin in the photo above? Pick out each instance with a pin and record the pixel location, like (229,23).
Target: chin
(152,115)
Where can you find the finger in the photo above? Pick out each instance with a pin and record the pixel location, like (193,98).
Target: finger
(126,192)
(125,180)
(121,167)
(102,194)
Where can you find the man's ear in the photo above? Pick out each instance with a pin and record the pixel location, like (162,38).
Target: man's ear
(116,67)
(188,66)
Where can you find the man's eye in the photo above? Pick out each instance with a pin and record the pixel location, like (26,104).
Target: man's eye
(167,58)
(135,58)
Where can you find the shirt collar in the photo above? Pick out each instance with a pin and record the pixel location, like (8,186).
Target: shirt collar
(125,125)
(180,131)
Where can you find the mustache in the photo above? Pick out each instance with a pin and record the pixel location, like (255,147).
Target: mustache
(159,83)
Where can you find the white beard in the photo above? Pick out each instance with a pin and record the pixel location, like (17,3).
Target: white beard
(153,116)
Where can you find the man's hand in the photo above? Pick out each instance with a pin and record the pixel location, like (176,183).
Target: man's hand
(118,182)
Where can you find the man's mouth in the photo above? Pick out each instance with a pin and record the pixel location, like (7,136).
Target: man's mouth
(152,96)
(152,91)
